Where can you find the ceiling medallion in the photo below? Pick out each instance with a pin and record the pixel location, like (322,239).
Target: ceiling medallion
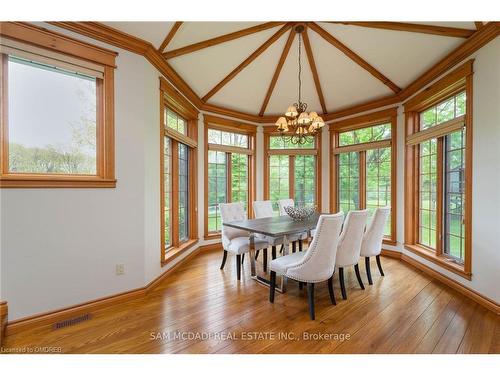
(297,124)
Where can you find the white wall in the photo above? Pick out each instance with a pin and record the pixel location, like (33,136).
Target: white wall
(60,246)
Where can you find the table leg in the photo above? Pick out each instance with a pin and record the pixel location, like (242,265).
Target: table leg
(252,255)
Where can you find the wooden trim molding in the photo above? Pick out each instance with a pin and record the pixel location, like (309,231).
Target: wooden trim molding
(277,71)
(363,121)
(4,315)
(170,36)
(247,61)
(415,28)
(220,39)
(458,80)
(51,317)
(270,131)
(105,150)
(120,39)
(353,56)
(212,122)
(172,99)
(470,293)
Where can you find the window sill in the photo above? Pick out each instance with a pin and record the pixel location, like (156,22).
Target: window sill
(52,181)
(174,252)
(440,260)
(212,236)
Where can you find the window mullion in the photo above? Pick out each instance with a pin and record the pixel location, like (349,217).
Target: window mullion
(291,176)
(362,180)
(175,193)
(229,162)
(440,197)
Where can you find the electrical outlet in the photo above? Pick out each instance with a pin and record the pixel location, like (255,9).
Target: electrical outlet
(120,269)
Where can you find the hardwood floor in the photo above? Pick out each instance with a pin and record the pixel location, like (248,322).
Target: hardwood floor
(404,312)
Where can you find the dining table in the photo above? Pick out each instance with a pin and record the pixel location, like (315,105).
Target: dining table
(275,226)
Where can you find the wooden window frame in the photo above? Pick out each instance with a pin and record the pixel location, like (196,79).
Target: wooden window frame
(458,80)
(360,122)
(218,123)
(316,151)
(172,99)
(105,149)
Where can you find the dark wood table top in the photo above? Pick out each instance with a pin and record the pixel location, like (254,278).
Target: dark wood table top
(275,226)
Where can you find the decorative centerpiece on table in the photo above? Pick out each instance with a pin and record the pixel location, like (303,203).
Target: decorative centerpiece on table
(299,213)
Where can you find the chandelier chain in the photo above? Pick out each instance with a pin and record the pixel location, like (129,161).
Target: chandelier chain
(300,66)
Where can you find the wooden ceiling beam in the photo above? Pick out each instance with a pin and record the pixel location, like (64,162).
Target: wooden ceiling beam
(312,65)
(277,71)
(478,24)
(353,56)
(169,36)
(247,61)
(415,28)
(220,39)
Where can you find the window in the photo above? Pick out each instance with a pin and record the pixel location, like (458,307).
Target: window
(229,168)
(292,171)
(179,122)
(363,161)
(439,135)
(57,112)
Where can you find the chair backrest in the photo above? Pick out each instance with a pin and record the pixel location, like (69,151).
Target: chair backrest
(318,263)
(282,203)
(351,237)
(232,212)
(372,239)
(262,209)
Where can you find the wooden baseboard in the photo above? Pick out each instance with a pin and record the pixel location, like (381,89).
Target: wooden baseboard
(475,296)
(4,313)
(51,317)
(391,253)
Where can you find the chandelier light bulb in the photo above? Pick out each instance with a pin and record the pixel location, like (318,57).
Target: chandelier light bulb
(291,111)
(304,119)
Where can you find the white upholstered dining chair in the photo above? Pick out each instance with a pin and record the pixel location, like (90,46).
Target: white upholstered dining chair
(314,265)
(372,240)
(349,246)
(236,241)
(282,203)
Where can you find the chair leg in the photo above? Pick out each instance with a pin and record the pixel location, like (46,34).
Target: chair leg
(330,290)
(294,246)
(242,258)
(272,286)
(257,254)
(310,298)
(224,257)
(379,265)
(238,266)
(300,245)
(265,260)
(358,276)
(273,252)
(301,285)
(342,284)
(368,271)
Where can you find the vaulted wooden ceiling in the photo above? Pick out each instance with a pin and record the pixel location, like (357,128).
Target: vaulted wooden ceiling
(252,67)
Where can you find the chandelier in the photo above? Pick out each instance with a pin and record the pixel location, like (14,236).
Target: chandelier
(298,124)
